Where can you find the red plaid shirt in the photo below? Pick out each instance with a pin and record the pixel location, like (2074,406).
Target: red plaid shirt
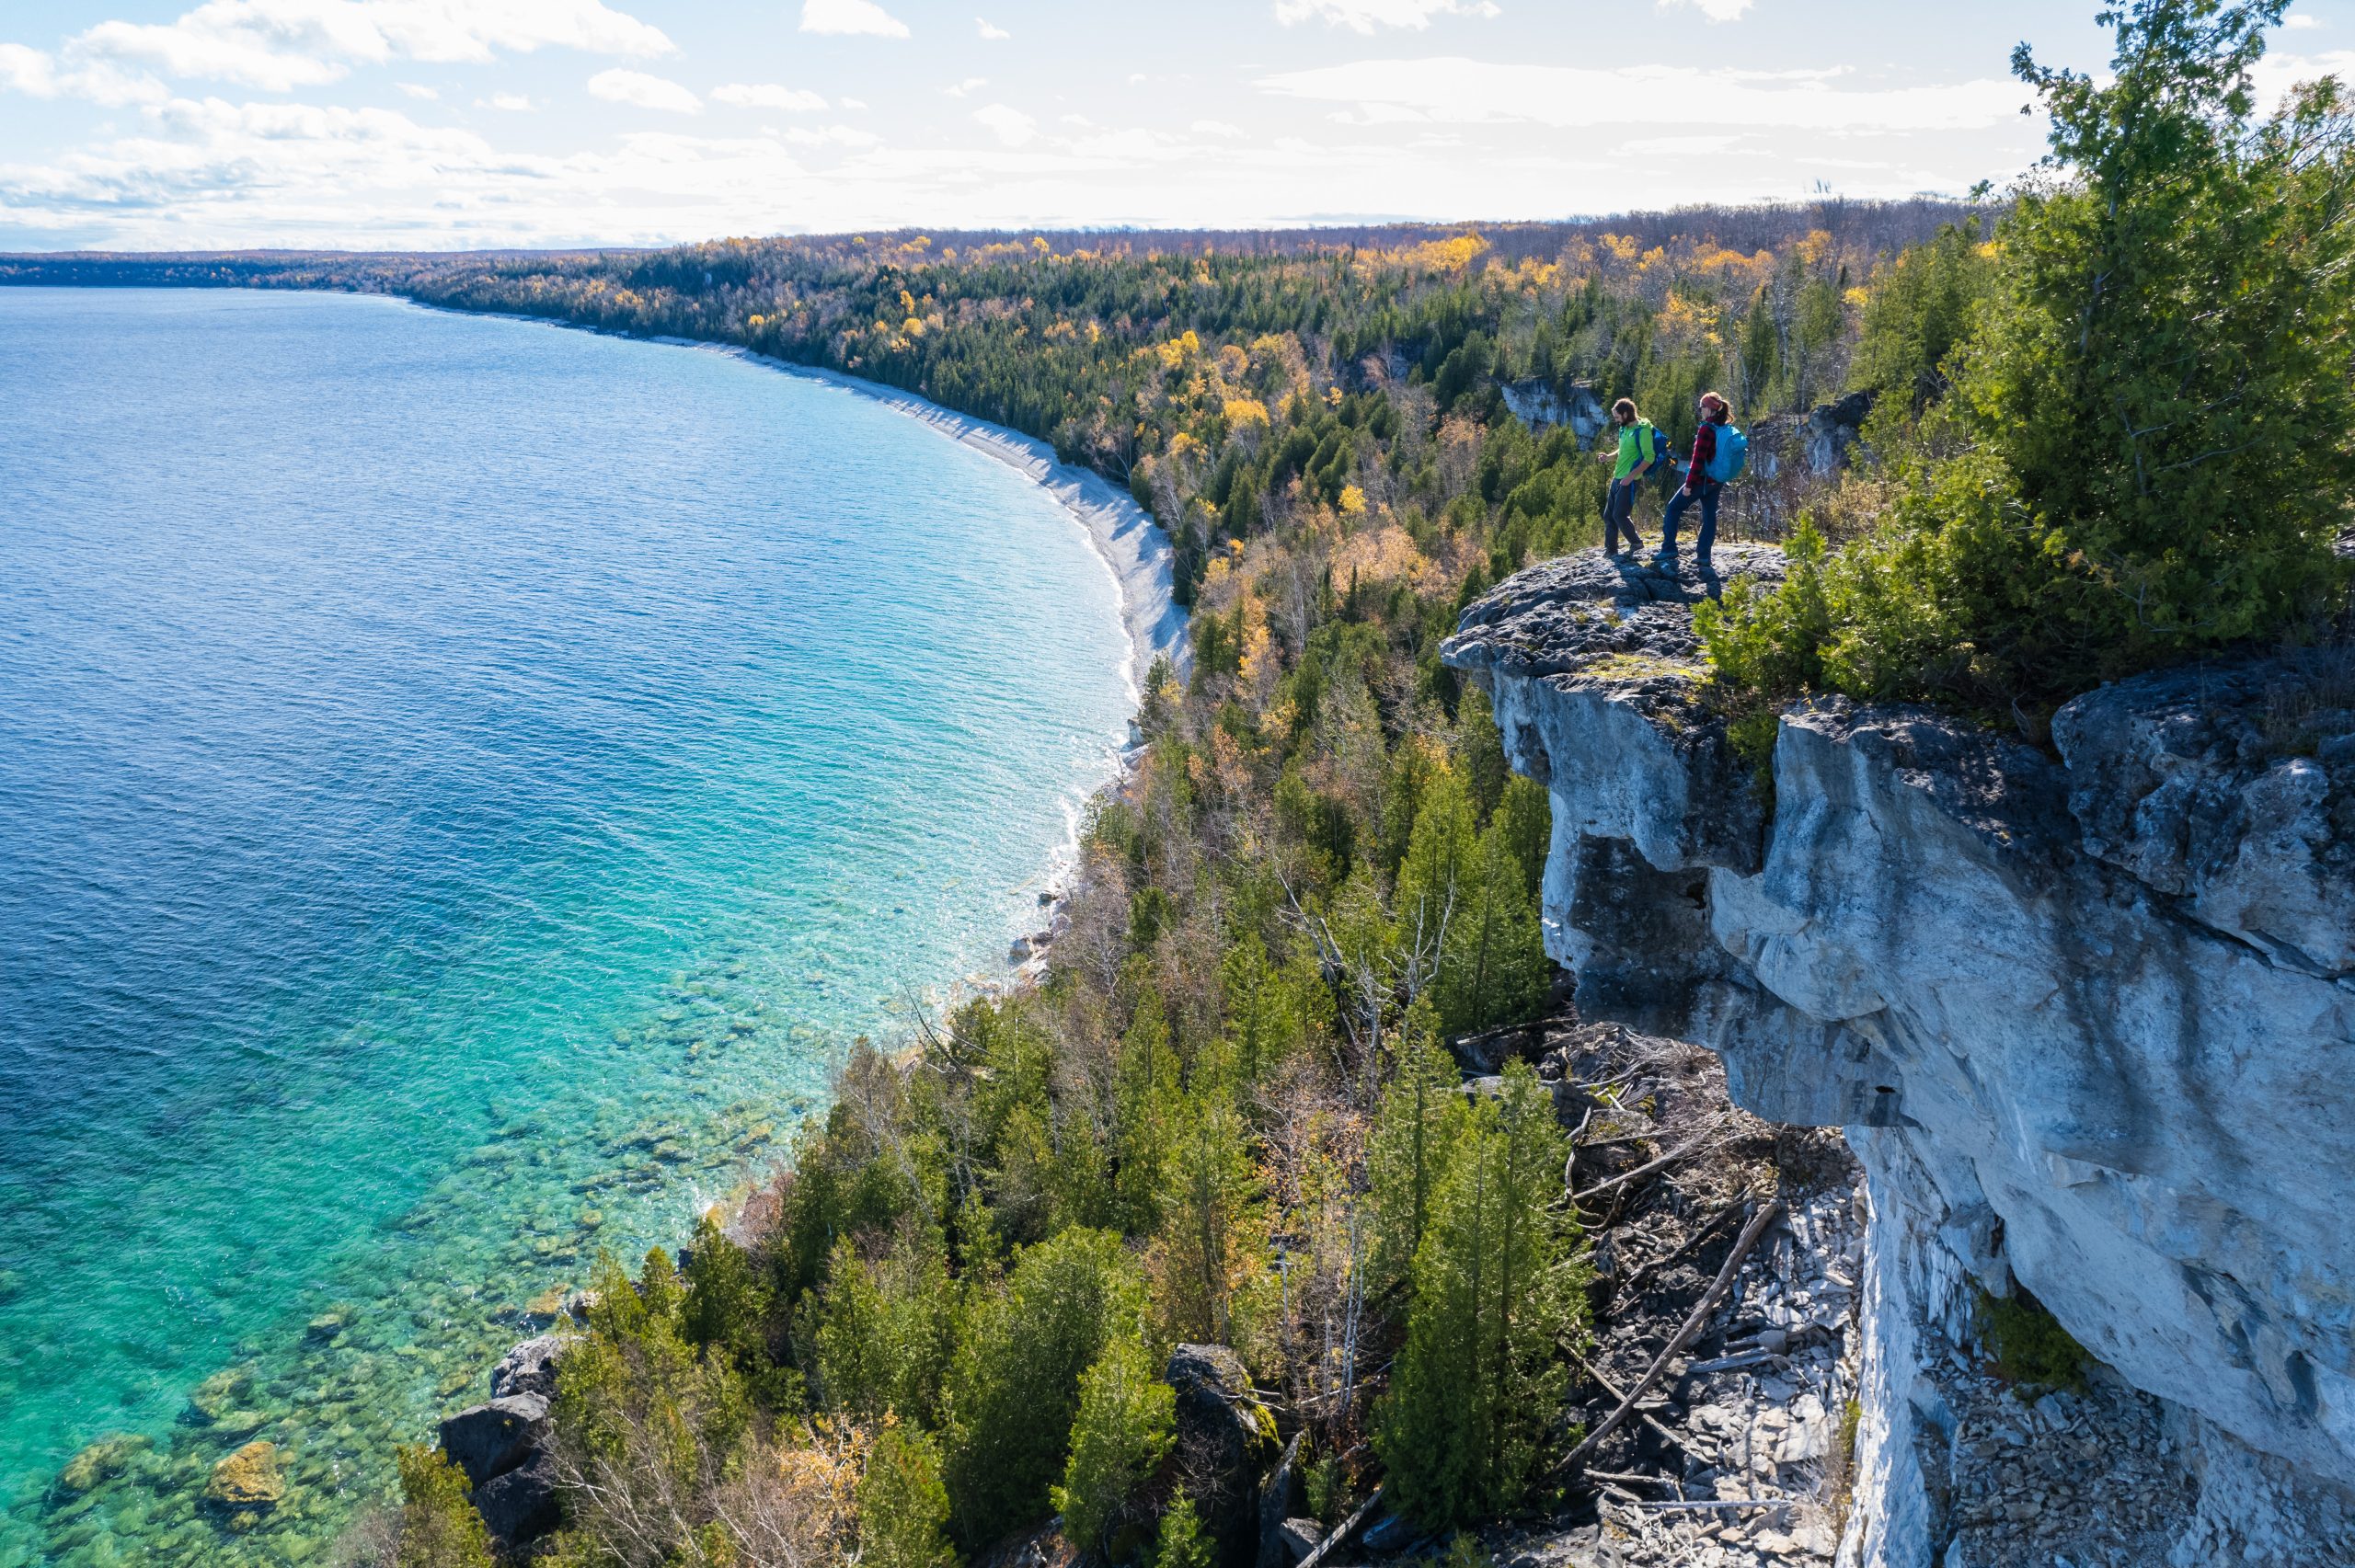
(1705,452)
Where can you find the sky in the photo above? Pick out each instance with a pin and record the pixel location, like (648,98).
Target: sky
(457,124)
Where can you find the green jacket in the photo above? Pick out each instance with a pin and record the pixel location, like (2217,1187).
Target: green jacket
(1637,443)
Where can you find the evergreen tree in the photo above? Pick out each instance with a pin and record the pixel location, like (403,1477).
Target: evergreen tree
(902,1508)
(1493,966)
(1480,1384)
(1209,1255)
(1146,1090)
(1014,1385)
(1412,1145)
(1127,1415)
(439,1527)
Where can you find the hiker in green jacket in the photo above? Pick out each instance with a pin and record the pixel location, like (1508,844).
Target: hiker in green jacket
(1639,451)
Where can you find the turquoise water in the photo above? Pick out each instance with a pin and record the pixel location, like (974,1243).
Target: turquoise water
(460,780)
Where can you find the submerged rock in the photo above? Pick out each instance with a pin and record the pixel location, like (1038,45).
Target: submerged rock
(103,1461)
(221,1393)
(247,1479)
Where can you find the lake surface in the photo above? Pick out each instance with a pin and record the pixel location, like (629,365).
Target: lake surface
(461,779)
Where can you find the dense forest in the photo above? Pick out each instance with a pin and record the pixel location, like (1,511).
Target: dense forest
(1228,1114)
(2108,429)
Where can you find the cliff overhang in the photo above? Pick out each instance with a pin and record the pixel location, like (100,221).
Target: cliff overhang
(2088,1015)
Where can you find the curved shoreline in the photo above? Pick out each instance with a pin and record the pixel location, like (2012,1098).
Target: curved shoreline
(1125,537)
(1132,546)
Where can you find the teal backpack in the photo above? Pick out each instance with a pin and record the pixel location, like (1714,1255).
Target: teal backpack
(1729,456)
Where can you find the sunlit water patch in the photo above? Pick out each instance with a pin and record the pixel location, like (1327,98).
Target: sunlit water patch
(459,780)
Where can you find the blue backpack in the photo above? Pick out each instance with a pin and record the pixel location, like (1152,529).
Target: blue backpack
(1729,456)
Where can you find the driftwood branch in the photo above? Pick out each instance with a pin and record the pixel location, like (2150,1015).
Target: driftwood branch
(1691,1326)
(1602,1381)
(1670,1158)
(1349,1528)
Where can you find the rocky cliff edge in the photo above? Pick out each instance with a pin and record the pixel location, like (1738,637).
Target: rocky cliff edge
(2088,1018)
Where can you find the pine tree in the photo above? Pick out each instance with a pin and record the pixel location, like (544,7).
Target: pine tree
(1209,1254)
(1477,1385)
(1411,1148)
(1127,1415)
(902,1508)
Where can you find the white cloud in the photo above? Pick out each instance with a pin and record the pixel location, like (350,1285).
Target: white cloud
(1364,16)
(831,136)
(990,31)
(1010,126)
(2301,19)
(36,74)
(769,95)
(852,17)
(1458,91)
(1716,10)
(417,90)
(965,88)
(645,91)
(279,45)
(854,103)
(1216,128)
(513,103)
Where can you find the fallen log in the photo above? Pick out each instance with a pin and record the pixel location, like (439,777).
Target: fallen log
(1674,1155)
(1691,1326)
(1604,1383)
(1349,1528)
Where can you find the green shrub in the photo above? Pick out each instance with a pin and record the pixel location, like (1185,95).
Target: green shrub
(1183,1544)
(439,1527)
(1126,1417)
(902,1508)
(1014,1387)
(2029,1345)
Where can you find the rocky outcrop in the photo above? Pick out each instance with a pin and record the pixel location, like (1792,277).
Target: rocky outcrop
(1224,1442)
(1536,404)
(2087,1018)
(1816,444)
(505,1445)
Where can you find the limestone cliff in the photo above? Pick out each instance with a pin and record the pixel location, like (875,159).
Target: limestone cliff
(2088,1018)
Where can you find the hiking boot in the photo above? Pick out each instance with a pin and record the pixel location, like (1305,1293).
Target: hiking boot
(1700,565)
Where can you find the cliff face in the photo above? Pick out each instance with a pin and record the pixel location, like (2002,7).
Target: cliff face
(2090,1024)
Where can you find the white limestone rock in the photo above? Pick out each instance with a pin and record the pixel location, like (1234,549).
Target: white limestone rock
(2090,1022)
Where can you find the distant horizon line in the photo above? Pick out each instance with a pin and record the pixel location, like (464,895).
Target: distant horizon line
(1310,227)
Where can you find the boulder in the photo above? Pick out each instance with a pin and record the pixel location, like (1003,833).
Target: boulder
(221,1393)
(248,1479)
(495,1437)
(1226,1442)
(529,1368)
(520,1504)
(103,1461)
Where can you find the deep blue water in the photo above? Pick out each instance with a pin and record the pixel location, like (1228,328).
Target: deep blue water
(459,781)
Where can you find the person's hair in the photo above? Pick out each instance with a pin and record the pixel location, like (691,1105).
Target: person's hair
(1713,401)
(1624,411)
